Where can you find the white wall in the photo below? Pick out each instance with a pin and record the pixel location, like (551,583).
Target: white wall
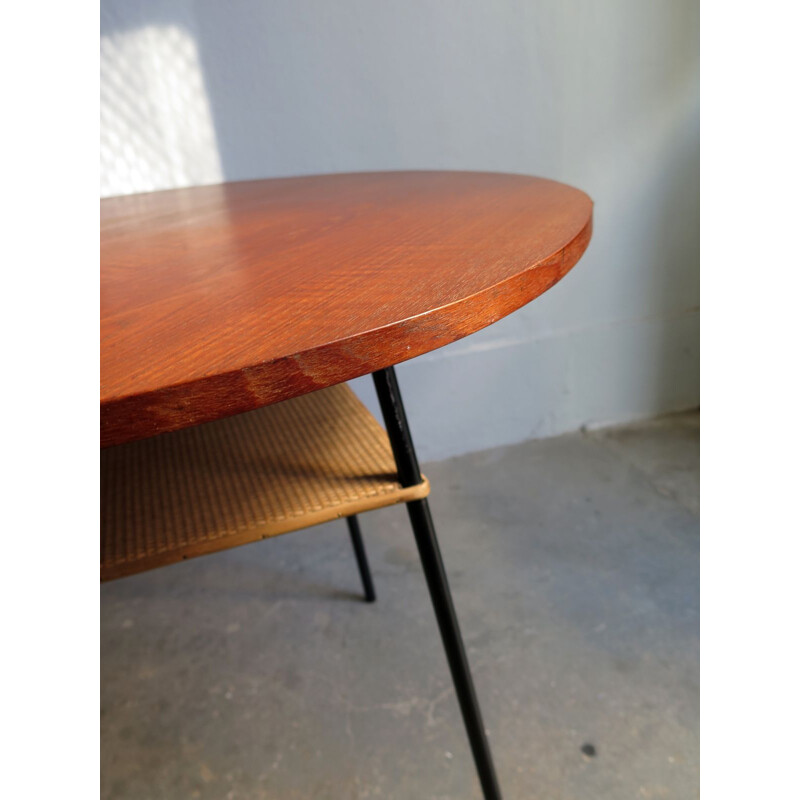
(601,95)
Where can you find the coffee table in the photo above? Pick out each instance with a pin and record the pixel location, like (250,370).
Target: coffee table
(232,315)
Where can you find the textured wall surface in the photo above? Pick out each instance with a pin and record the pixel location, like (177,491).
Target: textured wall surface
(604,96)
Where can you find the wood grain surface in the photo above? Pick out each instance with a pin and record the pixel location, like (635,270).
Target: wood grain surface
(220,299)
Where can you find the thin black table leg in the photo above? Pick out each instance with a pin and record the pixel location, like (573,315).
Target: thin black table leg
(405,456)
(361,558)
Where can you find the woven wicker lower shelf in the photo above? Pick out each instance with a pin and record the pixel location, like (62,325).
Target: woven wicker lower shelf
(242,479)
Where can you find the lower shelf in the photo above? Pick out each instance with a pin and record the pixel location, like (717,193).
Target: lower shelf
(241,479)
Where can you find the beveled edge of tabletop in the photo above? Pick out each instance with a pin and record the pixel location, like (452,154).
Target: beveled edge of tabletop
(217,396)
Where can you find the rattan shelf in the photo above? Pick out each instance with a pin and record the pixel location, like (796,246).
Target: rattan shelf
(241,479)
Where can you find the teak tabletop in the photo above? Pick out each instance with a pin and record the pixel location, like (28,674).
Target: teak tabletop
(220,299)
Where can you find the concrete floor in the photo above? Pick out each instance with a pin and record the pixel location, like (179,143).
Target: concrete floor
(258,673)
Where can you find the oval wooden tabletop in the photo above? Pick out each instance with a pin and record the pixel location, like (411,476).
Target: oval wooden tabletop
(220,299)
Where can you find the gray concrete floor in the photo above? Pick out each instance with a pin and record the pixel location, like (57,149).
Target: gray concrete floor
(258,673)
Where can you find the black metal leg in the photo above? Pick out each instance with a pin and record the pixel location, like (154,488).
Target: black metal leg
(394,416)
(361,558)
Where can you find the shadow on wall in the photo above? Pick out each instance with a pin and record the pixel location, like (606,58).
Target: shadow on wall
(196,93)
